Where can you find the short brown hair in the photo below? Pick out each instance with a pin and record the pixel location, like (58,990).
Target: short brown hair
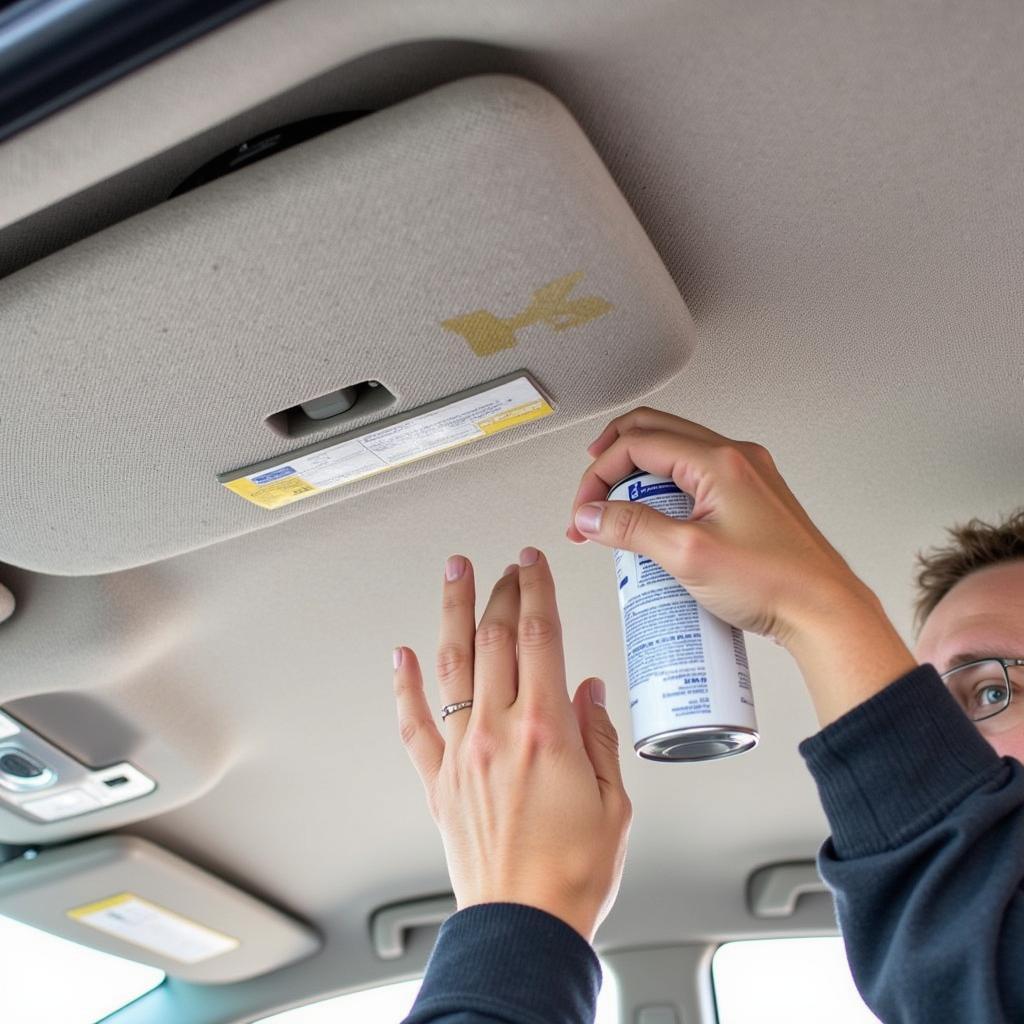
(973,545)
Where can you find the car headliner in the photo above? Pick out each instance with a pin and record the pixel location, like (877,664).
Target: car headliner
(836,190)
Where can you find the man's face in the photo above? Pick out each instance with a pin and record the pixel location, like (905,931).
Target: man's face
(983,615)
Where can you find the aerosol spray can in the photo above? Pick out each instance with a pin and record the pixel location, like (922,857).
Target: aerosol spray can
(689,680)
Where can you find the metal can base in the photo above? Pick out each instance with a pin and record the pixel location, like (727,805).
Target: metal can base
(699,743)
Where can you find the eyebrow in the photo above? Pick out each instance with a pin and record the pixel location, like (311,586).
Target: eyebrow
(966,657)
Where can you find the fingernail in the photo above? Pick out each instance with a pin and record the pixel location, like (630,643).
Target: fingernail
(588,518)
(396,655)
(528,556)
(510,568)
(454,568)
(597,692)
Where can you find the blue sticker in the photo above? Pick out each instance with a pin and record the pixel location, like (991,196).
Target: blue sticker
(273,474)
(639,491)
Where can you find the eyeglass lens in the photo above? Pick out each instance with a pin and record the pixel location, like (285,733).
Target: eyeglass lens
(984,689)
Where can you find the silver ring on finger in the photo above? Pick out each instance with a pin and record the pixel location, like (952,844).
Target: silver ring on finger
(450,709)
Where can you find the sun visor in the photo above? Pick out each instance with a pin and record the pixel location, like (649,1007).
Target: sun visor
(423,285)
(128,896)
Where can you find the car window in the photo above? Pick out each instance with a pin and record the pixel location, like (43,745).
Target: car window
(786,981)
(77,46)
(48,979)
(387,1004)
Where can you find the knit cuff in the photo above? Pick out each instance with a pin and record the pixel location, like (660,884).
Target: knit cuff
(510,961)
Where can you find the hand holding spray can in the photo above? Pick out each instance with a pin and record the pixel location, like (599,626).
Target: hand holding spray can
(689,679)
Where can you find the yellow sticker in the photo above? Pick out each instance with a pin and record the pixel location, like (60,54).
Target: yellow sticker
(486,411)
(518,414)
(92,908)
(274,492)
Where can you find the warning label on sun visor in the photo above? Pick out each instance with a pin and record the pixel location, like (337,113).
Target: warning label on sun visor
(487,412)
(135,920)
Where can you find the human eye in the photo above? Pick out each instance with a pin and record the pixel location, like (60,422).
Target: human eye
(988,694)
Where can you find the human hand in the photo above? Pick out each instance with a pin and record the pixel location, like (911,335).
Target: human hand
(749,552)
(525,786)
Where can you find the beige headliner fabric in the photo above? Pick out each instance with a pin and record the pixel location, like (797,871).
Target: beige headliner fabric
(835,188)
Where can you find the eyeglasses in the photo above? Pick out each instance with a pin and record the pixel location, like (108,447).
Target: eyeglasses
(986,688)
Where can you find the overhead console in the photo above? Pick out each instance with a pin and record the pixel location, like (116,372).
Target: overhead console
(42,783)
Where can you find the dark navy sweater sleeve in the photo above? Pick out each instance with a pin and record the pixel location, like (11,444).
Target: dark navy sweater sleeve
(505,963)
(926,857)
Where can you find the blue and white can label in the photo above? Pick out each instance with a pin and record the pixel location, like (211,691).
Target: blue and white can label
(689,680)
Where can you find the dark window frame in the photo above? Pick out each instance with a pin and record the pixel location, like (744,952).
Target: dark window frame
(54,52)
